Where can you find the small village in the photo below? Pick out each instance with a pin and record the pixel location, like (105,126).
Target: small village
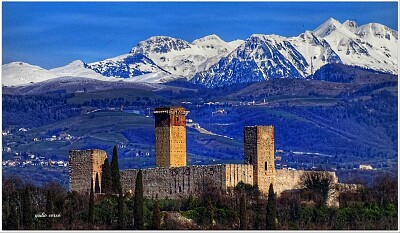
(33,160)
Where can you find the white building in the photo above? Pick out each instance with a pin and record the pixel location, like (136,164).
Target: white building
(365,167)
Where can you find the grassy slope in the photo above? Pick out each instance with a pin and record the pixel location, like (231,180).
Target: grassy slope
(128,94)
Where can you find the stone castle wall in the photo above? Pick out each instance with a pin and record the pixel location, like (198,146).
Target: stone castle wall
(83,166)
(98,157)
(290,179)
(234,173)
(182,181)
(177,182)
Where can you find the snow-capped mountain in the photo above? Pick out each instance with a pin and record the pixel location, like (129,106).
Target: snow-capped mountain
(260,56)
(78,68)
(263,57)
(316,51)
(126,66)
(166,57)
(180,57)
(371,46)
(214,62)
(19,73)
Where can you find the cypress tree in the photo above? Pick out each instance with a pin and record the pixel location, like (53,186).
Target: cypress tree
(71,205)
(91,204)
(258,222)
(27,215)
(271,223)
(243,213)
(121,223)
(210,213)
(156,220)
(138,203)
(6,210)
(115,177)
(13,223)
(49,209)
(106,177)
(97,185)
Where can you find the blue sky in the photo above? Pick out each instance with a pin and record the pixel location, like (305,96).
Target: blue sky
(52,34)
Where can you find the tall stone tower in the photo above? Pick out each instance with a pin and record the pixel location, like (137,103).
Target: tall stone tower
(83,167)
(259,151)
(170,126)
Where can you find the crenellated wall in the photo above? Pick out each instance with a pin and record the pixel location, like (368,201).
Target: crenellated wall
(182,181)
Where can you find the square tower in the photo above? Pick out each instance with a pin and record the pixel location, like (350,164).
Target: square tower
(170,127)
(259,151)
(83,167)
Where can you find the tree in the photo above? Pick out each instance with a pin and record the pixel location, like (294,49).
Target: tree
(97,185)
(138,203)
(318,183)
(49,209)
(106,177)
(385,190)
(13,217)
(27,215)
(71,206)
(121,223)
(271,223)
(258,221)
(243,213)
(5,210)
(210,213)
(91,204)
(156,220)
(115,176)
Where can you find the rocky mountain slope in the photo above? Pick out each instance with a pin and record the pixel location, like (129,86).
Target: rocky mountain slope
(212,62)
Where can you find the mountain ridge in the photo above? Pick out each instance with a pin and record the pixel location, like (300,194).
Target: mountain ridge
(212,62)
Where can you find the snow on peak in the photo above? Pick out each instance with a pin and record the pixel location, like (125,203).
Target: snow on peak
(179,57)
(235,43)
(21,73)
(327,27)
(77,68)
(272,37)
(160,45)
(351,25)
(377,30)
(210,38)
(213,61)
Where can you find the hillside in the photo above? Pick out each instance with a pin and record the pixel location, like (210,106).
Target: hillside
(329,125)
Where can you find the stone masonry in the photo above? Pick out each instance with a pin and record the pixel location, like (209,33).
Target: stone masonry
(170,129)
(176,182)
(259,151)
(83,167)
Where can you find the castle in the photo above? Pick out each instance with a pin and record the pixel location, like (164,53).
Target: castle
(172,178)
